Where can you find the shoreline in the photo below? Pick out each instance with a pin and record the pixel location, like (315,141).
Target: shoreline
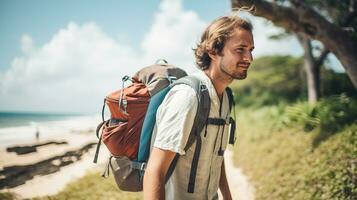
(52,182)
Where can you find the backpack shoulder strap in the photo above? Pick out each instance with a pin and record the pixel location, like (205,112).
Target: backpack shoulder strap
(230,98)
(232,122)
(203,108)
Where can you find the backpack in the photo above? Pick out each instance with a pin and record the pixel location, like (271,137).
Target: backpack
(127,134)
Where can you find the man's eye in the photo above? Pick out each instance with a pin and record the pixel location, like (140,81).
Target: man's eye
(239,49)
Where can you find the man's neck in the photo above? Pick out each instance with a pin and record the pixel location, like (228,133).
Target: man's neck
(220,83)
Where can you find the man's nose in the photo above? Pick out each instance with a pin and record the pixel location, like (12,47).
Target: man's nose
(248,57)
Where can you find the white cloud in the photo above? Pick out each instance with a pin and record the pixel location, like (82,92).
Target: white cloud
(173,35)
(72,72)
(26,43)
(81,64)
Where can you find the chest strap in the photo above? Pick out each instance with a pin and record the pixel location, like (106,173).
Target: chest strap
(216,121)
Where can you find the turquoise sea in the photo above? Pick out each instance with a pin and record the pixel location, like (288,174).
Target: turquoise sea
(13,119)
(20,127)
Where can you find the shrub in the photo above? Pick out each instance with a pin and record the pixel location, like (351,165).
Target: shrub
(329,114)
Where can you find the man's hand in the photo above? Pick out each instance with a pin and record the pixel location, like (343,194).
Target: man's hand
(155,173)
(223,184)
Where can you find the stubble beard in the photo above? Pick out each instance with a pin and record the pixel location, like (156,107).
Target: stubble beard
(234,76)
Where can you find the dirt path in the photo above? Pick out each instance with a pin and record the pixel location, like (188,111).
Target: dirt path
(239,185)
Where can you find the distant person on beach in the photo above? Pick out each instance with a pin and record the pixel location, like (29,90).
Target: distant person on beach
(37,134)
(223,54)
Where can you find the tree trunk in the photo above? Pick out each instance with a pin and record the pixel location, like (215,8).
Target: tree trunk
(312,69)
(305,20)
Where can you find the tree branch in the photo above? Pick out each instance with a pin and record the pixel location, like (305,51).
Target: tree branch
(303,19)
(320,60)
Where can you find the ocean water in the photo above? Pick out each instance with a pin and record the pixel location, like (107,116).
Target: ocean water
(13,119)
(18,128)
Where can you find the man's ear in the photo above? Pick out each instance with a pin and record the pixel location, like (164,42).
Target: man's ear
(213,55)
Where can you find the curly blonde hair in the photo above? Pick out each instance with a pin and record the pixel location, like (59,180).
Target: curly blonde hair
(215,36)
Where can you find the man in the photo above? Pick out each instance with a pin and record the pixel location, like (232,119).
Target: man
(223,55)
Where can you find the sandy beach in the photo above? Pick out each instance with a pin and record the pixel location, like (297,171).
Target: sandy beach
(52,165)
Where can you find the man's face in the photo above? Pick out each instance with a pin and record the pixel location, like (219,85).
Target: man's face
(236,55)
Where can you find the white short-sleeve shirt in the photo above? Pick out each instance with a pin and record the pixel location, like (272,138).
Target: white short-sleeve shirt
(174,120)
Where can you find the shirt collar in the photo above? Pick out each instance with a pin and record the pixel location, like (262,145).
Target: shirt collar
(211,89)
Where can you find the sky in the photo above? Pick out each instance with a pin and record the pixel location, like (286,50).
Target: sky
(66,56)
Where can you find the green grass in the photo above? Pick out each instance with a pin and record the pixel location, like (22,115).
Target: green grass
(93,187)
(284,163)
(8,196)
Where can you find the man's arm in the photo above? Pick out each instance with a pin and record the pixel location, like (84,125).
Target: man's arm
(155,173)
(223,184)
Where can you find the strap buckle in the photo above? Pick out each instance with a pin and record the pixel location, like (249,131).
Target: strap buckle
(143,167)
(203,87)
